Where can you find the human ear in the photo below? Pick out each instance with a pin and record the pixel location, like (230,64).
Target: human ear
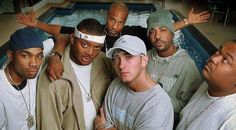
(144,61)
(72,39)
(10,55)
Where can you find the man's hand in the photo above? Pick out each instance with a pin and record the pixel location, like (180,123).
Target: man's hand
(55,68)
(27,19)
(194,18)
(100,121)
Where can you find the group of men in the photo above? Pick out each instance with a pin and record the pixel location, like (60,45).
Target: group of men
(82,92)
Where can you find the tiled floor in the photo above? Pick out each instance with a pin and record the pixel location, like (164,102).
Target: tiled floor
(215,32)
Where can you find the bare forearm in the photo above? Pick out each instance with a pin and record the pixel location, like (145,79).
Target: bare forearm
(49,28)
(193,18)
(61,43)
(178,25)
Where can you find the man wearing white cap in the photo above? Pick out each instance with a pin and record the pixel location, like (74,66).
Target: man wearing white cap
(134,101)
(71,103)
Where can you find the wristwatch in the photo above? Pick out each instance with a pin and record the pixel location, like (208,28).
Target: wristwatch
(53,53)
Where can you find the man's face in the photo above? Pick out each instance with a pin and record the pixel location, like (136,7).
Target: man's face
(220,69)
(83,52)
(26,63)
(161,38)
(128,67)
(115,22)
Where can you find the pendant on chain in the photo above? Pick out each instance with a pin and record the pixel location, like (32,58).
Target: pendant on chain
(30,121)
(89,98)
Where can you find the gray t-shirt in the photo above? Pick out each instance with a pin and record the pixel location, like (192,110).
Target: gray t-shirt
(178,74)
(129,110)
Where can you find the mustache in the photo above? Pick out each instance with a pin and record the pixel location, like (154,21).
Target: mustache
(159,40)
(34,66)
(109,30)
(87,56)
(112,31)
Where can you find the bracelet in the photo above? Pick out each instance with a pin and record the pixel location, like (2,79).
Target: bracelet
(35,23)
(186,22)
(54,53)
(99,126)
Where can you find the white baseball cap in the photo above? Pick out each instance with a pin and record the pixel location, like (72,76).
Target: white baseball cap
(131,44)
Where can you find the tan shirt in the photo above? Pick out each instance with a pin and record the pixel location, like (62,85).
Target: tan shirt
(59,103)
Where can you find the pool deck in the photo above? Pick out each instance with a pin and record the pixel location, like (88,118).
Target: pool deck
(9,25)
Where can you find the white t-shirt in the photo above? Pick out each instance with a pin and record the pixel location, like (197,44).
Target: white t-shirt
(13,111)
(83,78)
(204,112)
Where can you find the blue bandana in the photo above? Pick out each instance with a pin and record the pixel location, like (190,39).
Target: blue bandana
(25,38)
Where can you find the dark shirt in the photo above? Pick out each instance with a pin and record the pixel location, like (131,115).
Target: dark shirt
(109,41)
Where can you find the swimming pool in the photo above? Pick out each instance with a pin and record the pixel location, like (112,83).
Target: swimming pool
(189,38)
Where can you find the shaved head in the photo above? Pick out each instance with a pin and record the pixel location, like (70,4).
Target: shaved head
(116,18)
(121,7)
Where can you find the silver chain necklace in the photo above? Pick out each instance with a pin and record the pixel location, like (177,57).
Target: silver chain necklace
(88,97)
(186,125)
(30,118)
(165,68)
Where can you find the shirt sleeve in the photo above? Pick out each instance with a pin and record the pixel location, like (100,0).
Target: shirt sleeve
(48,45)
(67,30)
(107,108)
(2,116)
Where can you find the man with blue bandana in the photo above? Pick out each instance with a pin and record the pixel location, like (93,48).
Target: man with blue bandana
(18,80)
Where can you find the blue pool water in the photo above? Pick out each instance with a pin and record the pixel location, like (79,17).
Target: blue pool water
(134,18)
